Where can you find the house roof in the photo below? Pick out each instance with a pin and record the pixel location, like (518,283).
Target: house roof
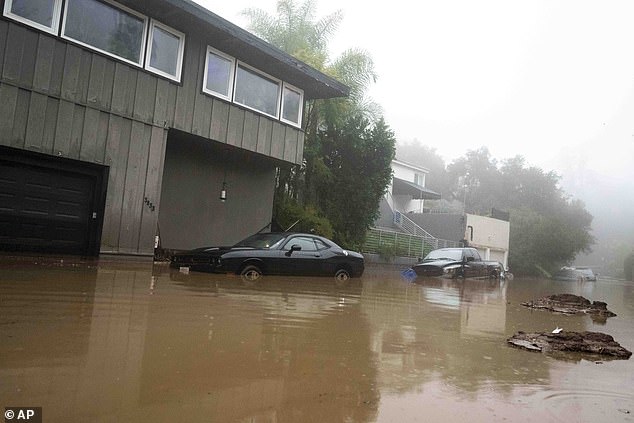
(410,165)
(245,46)
(418,192)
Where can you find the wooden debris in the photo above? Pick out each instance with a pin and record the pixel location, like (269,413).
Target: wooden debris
(570,304)
(584,342)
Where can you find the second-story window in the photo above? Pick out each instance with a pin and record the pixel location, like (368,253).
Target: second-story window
(292,99)
(219,69)
(165,50)
(42,14)
(114,30)
(257,91)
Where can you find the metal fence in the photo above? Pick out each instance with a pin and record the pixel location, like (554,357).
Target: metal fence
(386,242)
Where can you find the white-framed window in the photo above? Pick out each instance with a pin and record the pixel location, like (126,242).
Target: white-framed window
(219,74)
(419,179)
(165,48)
(292,105)
(256,90)
(40,14)
(107,27)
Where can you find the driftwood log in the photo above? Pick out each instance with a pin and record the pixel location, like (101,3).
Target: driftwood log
(571,304)
(584,342)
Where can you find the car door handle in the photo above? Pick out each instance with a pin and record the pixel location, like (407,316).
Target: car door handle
(317,255)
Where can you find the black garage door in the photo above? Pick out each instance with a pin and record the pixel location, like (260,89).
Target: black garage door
(50,204)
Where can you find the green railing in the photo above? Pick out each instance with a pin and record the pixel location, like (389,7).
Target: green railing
(398,244)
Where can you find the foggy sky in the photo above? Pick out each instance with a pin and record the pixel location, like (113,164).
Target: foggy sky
(550,80)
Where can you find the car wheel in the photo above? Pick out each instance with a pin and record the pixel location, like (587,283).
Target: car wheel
(342,275)
(251,273)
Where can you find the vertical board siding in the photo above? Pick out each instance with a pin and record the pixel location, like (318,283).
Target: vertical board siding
(20,118)
(61,99)
(145,97)
(201,124)
(70,78)
(123,90)
(290,145)
(50,125)
(152,189)
(35,123)
(164,103)
(183,116)
(100,82)
(14,49)
(4,29)
(219,121)
(134,187)
(265,133)
(64,128)
(57,71)
(235,127)
(250,133)
(117,148)
(277,141)
(27,67)
(77,131)
(299,158)
(89,147)
(44,64)
(96,80)
(8,100)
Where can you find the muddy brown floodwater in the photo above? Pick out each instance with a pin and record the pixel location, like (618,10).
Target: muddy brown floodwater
(136,343)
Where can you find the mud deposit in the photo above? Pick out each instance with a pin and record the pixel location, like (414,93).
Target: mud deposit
(137,343)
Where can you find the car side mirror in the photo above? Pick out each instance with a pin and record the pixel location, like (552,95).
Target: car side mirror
(294,247)
(470,258)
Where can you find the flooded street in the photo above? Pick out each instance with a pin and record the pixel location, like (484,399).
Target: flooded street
(138,343)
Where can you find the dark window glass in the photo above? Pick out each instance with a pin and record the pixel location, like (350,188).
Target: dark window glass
(38,11)
(219,74)
(106,28)
(256,91)
(291,106)
(165,51)
(307,244)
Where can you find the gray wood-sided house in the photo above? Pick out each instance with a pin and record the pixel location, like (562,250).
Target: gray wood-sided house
(123,120)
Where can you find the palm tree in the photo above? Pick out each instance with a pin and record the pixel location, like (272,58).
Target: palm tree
(296,31)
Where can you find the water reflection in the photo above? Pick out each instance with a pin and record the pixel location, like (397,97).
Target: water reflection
(146,344)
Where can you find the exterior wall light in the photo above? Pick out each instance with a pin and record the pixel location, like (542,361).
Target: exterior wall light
(223,192)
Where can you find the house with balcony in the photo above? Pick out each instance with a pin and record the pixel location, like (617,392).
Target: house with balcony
(124,120)
(410,230)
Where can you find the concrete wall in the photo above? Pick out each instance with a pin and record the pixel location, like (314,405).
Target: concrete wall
(443,226)
(192,214)
(488,232)
(490,236)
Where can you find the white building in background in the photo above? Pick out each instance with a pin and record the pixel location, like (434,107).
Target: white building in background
(489,236)
(407,189)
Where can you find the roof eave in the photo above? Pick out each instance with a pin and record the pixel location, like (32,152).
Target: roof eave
(314,83)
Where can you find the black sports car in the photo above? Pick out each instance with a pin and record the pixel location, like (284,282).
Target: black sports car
(275,253)
(458,262)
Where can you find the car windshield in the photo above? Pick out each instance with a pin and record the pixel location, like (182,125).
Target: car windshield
(266,240)
(445,254)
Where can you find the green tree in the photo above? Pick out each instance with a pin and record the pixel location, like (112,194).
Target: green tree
(358,160)
(548,229)
(334,128)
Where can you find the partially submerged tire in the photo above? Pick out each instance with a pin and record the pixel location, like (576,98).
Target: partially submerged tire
(251,273)
(342,275)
